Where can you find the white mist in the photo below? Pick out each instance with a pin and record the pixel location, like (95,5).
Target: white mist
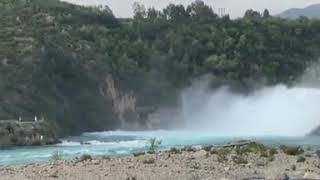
(275,111)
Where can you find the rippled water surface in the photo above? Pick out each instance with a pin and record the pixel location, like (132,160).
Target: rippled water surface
(121,143)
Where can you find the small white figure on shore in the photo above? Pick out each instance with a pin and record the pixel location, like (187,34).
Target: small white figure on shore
(41,138)
(36,119)
(20,119)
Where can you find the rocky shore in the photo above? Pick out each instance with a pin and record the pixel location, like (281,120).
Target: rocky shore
(29,133)
(249,161)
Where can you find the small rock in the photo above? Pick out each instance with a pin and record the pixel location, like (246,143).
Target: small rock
(54,175)
(227,168)
(310,175)
(95,162)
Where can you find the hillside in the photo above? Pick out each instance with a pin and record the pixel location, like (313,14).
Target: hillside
(86,70)
(312,11)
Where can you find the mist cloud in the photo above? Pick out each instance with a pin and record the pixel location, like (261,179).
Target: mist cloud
(275,110)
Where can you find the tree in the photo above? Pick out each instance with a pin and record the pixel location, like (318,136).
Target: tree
(266,13)
(139,10)
(200,12)
(176,13)
(152,14)
(252,14)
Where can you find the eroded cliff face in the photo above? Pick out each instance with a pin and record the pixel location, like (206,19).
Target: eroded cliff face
(123,104)
(134,116)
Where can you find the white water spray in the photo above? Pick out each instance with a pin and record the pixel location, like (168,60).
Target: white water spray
(278,111)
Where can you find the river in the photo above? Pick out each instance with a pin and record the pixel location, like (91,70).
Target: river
(124,143)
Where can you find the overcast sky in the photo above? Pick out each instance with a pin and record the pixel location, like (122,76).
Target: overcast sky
(236,8)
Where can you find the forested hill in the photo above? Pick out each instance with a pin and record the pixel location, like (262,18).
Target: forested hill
(87,70)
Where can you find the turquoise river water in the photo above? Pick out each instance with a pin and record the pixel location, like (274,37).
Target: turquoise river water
(123,143)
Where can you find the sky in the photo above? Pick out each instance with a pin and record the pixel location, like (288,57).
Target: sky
(236,8)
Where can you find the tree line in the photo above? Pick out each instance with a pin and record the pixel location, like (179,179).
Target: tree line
(54,56)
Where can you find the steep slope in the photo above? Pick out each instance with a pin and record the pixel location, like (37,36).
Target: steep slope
(312,11)
(86,70)
(47,69)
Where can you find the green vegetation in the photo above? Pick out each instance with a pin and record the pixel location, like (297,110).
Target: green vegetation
(301,159)
(256,148)
(174,150)
(56,156)
(137,154)
(222,153)
(239,159)
(153,145)
(188,149)
(239,153)
(147,159)
(292,150)
(55,57)
(85,157)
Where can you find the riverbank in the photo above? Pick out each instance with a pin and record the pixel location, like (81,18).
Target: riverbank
(228,162)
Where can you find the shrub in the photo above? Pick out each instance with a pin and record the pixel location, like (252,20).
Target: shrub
(174,150)
(147,159)
(308,155)
(301,159)
(153,145)
(207,148)
(188,149)
(137,154)
(292,150)
(273,151)
(222,154)
(239,160)
(85,157)
(256,148)
(271,158)
(214,151)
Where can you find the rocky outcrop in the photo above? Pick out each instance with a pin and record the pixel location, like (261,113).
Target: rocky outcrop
(16,133)
(124,104)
